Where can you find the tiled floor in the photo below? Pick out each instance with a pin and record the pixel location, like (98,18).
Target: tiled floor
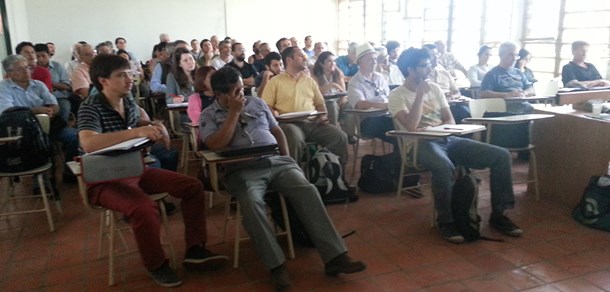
(393,236)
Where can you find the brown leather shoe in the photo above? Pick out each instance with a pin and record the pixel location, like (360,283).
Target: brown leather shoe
(343,264)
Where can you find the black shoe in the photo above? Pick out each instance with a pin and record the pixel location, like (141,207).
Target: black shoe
(197,257)
(170,208)
(343,264)
(505,225)
(165,276)
(280,278)
(339,198)
(450,233)
(69,178)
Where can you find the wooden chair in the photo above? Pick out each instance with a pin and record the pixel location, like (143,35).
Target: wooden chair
(108,224)
(213,161)
(9,198)
(189,139)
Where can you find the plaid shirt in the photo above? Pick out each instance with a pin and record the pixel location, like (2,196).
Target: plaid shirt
(97,115)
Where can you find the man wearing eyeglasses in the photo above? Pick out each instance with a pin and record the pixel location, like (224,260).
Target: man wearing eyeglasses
(368,89)
(247,70)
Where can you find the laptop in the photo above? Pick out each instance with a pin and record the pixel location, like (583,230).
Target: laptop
(248,150)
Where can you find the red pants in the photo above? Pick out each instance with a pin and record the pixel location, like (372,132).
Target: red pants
(130,197)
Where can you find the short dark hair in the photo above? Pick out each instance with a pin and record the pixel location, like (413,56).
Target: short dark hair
(121,51)
(410,58)
(430,46)
(41,48)
(203,41)
(279,42)
(116,41)
(223,79)
(270,57)
(483,49)
(288,52)
(523,53)
(22,45)
(235,45)
(103,66)
(391,45)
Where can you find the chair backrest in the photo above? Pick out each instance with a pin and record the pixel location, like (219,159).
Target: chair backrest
(45,122)
(479,106)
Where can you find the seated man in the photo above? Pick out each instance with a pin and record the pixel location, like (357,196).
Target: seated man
(160,70)
(448,60)
(505,81)
(224,57)
(273,67)
(347,63)
(247,70)
(81,81)
(235,120)
(26,49)
(293,91)
(418,104)
(579,73)
(59,77)
(445,81)
(368,89)
(18,89)
(108,118)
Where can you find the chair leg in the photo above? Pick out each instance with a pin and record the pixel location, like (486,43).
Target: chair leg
(534,172)
(237,236)
(355,147)
(111,252)
(287,227)
(170,247)
(45,201)
(100,237)
(400,179)
(185,154)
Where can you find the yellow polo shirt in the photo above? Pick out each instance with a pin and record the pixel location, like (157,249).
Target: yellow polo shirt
(286,94)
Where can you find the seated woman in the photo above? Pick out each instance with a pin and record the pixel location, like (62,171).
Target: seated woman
(203,96)
(524,58)
(476,72)
(180,80)
(330,80)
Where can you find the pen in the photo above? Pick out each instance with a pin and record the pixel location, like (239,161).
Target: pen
(449,128)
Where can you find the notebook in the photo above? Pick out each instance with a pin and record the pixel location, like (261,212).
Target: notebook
(247,150)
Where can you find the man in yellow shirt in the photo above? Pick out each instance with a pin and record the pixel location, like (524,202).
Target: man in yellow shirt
(294,91)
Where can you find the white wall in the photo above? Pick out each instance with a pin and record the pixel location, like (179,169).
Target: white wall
(66,22)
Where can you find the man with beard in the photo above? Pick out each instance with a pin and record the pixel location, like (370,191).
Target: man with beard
(247,70)
(273,67)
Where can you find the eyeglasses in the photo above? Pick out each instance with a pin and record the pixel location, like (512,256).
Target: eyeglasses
(21,69)
(427,65)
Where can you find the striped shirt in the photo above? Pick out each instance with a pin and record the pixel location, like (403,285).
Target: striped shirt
(97,115)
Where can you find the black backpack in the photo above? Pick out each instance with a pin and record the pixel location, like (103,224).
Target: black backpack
(33,150)
(379,174)
(594,207)
(326,174)
(464,205)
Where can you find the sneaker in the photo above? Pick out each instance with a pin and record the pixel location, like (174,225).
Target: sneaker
(343,264)
(504,225)
(165,276)
(450,233)
(197,257)
(280,278)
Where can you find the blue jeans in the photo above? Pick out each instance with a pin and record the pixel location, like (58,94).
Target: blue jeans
(377,127)
(441,156)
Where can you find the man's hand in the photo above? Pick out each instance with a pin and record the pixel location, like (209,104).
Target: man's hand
(516,93)
(323,119)
(236,103)
(423,87)
(43,110)
(155,132)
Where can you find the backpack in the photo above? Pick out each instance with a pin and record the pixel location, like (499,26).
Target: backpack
(380,174)
(326,173)
(464,205)
(594,207)
(33,150)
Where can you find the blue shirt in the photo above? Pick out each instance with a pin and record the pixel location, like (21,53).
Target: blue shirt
(59,75)
(348,69)
(500,79)
(36,95)
(254,126)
